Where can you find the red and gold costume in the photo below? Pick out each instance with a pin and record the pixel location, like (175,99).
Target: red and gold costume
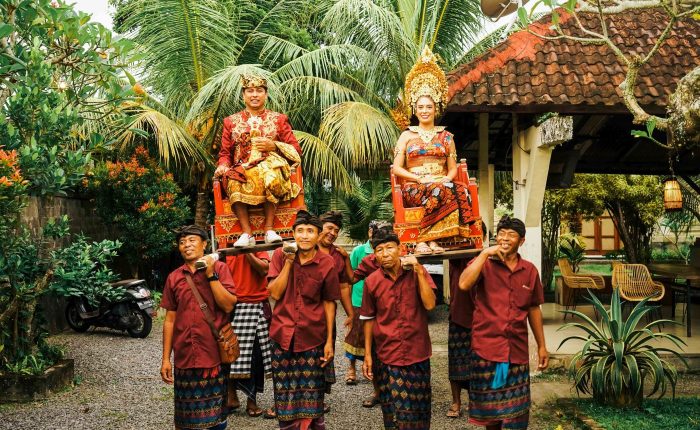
(447,204)
(255,177)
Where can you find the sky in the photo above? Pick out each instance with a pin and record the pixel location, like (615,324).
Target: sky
(98,9)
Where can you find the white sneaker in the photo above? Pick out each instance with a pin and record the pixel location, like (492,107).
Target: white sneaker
(244,241)
(271,237)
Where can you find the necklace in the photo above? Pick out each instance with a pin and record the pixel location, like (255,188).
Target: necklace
(426,135)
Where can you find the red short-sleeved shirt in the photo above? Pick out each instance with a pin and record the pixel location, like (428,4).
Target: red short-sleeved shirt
(251,287)
(299,314)
(339,261)
(502,300)
(461,302)
(400,329)
(194,345)
(368,265)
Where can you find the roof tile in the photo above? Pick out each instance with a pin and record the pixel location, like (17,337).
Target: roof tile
(526,69)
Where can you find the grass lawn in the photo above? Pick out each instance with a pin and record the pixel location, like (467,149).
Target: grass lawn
(683,413)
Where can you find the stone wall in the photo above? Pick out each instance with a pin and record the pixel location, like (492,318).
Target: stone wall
(80,211)
(83,219)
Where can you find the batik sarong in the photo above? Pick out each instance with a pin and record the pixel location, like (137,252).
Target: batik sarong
(508,405)
(200,397)
(354,344)
(439,199)
(299,383)
(405,395)
(459,354)
(252,328)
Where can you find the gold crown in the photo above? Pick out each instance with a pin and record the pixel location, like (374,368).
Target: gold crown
(426,78)
(253,81)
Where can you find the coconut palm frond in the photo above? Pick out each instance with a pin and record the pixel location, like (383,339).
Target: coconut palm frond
(175,145)
(327,165)
(454,25)
(306,97)
(361,135)
(222,93)
(374,27)
(349,65)
(254,27)
(276,49)
(182,42)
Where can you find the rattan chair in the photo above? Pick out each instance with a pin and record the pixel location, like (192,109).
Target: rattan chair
(636,284)
(577,282)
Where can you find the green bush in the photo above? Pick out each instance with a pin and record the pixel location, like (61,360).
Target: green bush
(143,202)
(82,271)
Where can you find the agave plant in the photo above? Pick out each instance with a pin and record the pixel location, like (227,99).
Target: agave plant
(617,357)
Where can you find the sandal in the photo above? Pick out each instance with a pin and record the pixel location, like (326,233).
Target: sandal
(270,414)
(370,402)
(452,413)
(423,249)
(254,412)
(437,249)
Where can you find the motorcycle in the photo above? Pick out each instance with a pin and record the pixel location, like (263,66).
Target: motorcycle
(133,313)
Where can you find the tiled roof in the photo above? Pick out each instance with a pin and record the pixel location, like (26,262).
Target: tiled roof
(528,70)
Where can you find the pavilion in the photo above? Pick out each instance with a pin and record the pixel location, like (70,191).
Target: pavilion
(502,104)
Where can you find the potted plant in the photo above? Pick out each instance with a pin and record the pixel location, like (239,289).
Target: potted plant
(572,247)
(617,357)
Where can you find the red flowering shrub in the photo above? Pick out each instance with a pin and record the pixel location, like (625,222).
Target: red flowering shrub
(143,202)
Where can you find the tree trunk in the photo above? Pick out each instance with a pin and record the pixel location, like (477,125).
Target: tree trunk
(204,189)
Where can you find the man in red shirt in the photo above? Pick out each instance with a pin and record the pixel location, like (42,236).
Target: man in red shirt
(187,334)
(507,295)
(332,223)
(459,352)
(395,305)
(305,286)
(251,322)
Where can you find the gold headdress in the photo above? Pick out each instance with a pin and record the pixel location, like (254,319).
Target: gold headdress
(253,81)
(426,78)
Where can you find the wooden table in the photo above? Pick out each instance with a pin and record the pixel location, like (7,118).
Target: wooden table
(691,274)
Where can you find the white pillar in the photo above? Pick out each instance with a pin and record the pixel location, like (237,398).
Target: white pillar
(532,153)
(486,174)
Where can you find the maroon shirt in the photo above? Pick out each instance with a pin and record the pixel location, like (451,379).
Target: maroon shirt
(461,302)
(339,261)
(400,329)
(299,314)
(502,300)
(367,266)
(194,345)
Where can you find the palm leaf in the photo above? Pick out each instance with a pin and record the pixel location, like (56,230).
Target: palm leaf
(326,165)
(174,143)
(361,135)
(183,42)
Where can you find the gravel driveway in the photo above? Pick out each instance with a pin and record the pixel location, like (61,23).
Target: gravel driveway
(118,387)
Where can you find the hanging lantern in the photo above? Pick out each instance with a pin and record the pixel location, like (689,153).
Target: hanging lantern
(673,199)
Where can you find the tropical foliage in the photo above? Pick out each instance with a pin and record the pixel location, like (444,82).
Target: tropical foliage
(617,357)
(82,271)
(369,200)
(144,205)
(191,49)
(573,248)
(58,73)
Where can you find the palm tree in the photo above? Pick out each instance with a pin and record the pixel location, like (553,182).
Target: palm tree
(341,95)
(187,45)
